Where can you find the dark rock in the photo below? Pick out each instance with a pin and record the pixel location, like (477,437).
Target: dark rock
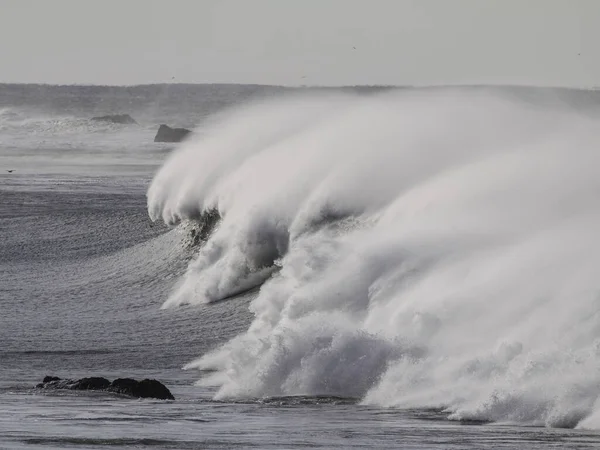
(167,134)
(48,379)
(124,386)
(124,119)
(84,384)
(141,389)
(91,384)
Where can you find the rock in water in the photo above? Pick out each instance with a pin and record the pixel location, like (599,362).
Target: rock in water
(141,389)
(124,386)
(48,379)
(84,384)
(167,134)
(124,119)
(91,384)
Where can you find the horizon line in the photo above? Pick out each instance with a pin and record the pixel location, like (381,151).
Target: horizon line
(306,86)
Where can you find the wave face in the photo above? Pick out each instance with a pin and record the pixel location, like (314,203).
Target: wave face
(434,248)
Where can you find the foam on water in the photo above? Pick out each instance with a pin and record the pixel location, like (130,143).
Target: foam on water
(435,249)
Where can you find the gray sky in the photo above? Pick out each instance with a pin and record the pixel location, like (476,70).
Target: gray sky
(540,42)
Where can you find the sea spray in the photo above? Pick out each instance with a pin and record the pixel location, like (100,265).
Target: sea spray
(436,248)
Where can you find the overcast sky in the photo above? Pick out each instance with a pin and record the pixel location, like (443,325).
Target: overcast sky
(291,42)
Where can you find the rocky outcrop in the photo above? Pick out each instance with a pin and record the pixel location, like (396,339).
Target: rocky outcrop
(124,386)
(167,134)
(141,389)
(123,119)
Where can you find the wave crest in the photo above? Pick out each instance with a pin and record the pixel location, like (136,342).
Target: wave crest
(436,249)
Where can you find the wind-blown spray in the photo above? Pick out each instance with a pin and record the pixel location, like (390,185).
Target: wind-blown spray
(436,248)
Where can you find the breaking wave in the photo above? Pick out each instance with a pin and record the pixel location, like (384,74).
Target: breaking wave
(416,249)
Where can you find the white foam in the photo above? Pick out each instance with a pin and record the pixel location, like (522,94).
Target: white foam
(437,248)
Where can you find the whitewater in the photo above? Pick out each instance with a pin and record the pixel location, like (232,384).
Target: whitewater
(416,249)
(360,267)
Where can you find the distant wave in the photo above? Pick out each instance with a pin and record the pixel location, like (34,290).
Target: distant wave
(13,119)
(32,129)
(437,249)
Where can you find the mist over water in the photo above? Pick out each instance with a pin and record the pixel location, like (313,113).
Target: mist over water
(434,248)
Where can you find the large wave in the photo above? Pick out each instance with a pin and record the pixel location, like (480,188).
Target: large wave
(434,248)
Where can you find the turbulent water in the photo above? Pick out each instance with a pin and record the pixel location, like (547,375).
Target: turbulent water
(335,268)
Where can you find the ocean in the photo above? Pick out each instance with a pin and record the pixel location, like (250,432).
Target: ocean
(313,268)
